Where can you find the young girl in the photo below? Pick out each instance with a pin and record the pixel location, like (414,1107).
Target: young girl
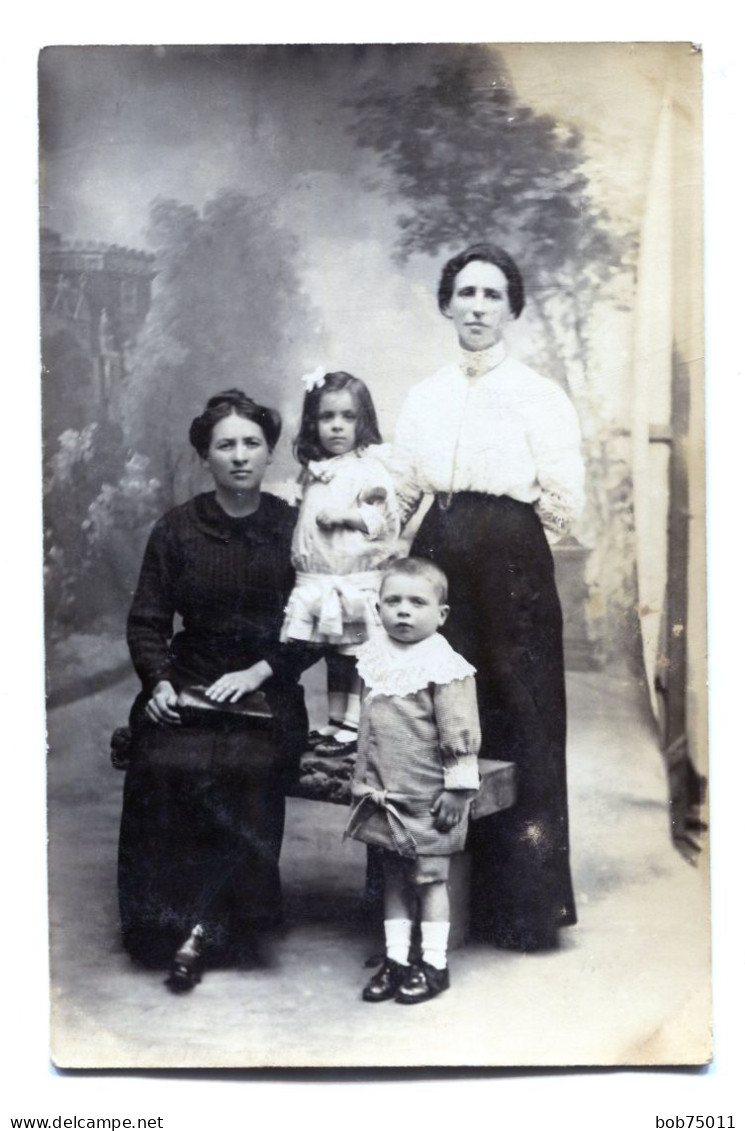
(346,533)
(416,773)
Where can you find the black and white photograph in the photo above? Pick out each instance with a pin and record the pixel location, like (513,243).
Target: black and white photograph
(374,519)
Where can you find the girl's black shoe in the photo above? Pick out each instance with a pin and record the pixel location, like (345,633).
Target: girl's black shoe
(332,748)
(315,736)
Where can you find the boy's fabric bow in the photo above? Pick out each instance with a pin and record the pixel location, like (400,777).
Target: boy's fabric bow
(366,801)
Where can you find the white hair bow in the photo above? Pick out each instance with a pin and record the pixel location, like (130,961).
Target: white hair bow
(313,380)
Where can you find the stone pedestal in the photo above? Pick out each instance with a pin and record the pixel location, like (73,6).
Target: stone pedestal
(582,646)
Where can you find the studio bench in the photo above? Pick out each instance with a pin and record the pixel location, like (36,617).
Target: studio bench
(329,780)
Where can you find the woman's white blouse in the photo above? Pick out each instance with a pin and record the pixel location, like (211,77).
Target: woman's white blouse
(508,431)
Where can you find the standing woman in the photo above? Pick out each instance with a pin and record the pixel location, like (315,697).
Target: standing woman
(203,812)
(498,446)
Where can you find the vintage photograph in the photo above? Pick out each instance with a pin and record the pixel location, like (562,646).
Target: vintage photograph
(374,555)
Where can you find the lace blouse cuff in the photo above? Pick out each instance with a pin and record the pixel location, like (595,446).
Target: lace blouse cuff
(555,512)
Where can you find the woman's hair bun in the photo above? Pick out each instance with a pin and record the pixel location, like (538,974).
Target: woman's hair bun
(233,402)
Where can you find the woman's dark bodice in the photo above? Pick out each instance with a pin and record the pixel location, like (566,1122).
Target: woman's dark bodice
(226,579)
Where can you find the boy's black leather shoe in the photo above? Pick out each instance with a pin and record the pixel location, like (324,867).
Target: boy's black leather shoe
(383,985)
(423,982)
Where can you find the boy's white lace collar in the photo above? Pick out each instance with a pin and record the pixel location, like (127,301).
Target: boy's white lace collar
(389,668)
(475,363)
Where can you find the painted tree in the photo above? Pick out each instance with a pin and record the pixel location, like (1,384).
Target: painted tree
(468,161)
(465,161)
(227,311)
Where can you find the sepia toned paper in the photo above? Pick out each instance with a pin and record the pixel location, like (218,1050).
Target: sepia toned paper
(216,217)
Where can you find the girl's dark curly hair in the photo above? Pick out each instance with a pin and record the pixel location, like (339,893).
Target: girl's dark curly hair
(484,253)
(228,403)
(307,445)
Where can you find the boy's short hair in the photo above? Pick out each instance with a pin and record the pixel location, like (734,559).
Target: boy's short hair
(419,567)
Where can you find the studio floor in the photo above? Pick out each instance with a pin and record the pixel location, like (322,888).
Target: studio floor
(628,986)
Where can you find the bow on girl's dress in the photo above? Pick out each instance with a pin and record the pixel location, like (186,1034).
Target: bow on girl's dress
(322,470)
(340,602)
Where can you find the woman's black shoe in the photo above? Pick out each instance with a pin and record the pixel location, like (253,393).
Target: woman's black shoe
(424,982)
(383,985)
(186,968)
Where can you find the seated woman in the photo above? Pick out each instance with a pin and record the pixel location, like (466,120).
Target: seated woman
(203,810)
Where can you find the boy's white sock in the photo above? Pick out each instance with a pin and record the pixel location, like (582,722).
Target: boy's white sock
(398,939)
(435,943)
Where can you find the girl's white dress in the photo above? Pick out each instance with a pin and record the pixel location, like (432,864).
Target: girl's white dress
(338,571)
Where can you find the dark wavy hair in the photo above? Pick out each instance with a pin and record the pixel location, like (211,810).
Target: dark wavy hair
(419,567)
(484,253)
(233,402)
(307,445)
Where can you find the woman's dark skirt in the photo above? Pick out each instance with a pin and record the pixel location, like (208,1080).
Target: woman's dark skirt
(201,833)
(505,618)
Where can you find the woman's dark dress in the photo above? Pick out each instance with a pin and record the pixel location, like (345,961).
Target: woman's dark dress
(506,620)
(203,812)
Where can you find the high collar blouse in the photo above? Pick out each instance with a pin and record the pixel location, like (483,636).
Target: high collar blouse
(506,431)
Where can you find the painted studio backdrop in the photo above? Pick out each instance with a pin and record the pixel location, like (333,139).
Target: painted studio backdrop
(237,216)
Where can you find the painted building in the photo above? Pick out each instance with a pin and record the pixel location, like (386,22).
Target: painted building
(94,301)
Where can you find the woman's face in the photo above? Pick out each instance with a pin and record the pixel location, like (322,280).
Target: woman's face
(337,422)
(238,454)
(480,306)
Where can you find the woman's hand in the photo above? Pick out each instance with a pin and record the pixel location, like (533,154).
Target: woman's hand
(232,686)
(450,808)
(161,707)
(351,519)
(328,519)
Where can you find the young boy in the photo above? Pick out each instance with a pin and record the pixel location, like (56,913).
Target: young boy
(416,773)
